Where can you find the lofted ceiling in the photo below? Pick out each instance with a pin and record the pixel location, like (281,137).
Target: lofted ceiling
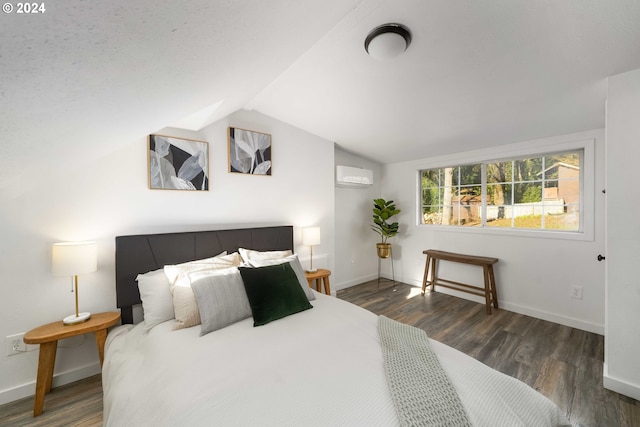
(84,77)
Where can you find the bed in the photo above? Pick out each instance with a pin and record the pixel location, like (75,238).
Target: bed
(326,365)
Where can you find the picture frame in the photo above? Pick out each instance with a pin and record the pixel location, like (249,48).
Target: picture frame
(249,152)
(177,163)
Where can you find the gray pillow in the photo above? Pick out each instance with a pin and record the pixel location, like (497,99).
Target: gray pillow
(221,298)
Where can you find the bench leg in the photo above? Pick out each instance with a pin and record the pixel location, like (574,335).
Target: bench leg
(492,282)
(434,273)
(425,279)
(487,289)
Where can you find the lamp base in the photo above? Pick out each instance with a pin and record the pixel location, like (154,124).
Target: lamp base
(73,319)
(315,270)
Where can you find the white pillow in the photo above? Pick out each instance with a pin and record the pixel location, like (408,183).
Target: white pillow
(157,302)
(177,273)
(295,266)
(185,306)
(251,255)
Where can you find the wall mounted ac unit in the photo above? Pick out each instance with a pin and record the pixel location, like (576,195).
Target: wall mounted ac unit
(347,176)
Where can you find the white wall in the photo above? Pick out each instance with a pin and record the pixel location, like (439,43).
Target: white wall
(100,200)
(622,342)
(356,259)
(534,275)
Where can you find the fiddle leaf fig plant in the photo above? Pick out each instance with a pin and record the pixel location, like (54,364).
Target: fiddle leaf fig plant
(382,211)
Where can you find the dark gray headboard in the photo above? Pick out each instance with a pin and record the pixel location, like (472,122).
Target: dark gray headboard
(146,252)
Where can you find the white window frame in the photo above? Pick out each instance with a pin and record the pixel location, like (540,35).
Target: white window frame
(515,151)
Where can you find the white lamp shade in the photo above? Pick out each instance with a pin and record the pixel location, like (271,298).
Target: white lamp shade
(74,258)
(311,236)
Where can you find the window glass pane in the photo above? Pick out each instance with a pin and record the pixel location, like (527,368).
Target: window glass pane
(561,217)
(504,222)
(447,215)
(448,176)
(472,222)
(455,176)
(527,221)
(499,209)
(471,174)
(499,194)
(529,192)
(562,165)
(470,201)
(431,178)
(432,215)
(528,169)
(499,172)
(571,218)
(432,196)
(550,190)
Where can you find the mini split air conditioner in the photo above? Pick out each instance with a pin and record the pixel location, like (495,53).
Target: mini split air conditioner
(347,176)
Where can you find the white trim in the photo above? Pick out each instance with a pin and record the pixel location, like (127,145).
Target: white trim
(554,318)
(521,309)
(619,386)
(353,282)
(28,389)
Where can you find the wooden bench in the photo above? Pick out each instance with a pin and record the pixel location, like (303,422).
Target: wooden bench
(488,292)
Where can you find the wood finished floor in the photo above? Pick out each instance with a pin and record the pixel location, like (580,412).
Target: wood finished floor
(563,363)
(78,404)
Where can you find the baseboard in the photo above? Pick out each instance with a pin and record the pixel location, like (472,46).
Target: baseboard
(527,311)
(353,282)
(619,386)
(28,389)
(555,318)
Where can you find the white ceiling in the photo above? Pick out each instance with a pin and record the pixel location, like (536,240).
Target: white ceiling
(85,77)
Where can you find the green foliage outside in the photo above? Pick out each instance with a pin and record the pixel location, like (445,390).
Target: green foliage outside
(508,182)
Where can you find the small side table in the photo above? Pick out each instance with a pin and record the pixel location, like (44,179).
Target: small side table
(48,335)
(321,277)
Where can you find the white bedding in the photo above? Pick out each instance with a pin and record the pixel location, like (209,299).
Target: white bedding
(320,367)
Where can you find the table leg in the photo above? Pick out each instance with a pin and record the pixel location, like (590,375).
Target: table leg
(327,286)
(101,337)
(46,363)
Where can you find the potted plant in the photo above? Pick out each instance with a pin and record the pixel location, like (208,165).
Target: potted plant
(382,211)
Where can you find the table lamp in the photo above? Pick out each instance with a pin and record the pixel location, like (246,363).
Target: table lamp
(73,259)
(310,237)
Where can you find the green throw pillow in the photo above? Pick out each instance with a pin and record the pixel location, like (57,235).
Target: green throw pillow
(274,292)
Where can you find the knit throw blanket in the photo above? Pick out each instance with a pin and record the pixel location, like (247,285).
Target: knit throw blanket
(421,390)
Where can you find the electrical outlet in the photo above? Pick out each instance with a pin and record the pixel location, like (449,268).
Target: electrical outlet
(15,344)
(576,292)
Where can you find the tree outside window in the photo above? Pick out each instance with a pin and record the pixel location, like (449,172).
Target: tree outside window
(538,192)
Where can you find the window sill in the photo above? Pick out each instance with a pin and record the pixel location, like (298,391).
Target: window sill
(513,232)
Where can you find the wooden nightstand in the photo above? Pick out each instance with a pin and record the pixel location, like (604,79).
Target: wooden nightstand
(48,335)
(321,277)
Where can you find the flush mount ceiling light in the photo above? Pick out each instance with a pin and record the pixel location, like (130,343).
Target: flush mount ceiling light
(387,41)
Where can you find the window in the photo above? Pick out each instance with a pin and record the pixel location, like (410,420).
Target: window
(537,192)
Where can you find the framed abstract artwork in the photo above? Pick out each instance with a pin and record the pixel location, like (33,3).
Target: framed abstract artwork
(178,163)
(249,152)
